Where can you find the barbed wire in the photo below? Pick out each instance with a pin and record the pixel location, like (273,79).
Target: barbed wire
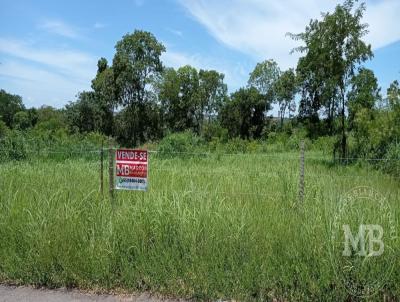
(192,172)
(210,172)
(282,155)
(217,192)
(54,151)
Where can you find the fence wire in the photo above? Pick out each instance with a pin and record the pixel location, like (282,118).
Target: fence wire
(278,155)
(254,172)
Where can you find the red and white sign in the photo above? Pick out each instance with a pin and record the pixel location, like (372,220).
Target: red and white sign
(131,168)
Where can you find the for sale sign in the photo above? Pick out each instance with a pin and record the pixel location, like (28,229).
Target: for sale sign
(131,169)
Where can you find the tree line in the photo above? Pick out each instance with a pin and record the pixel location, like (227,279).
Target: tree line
(136,99)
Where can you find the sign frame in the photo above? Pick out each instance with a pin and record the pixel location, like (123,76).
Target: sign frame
(131,169)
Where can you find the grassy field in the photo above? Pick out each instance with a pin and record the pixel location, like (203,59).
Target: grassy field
(219,226)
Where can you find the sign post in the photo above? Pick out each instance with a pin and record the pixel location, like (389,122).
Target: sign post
(131,167)
(111,172)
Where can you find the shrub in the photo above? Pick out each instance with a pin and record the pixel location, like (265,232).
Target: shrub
(3,129)
(324,144)
(236,145)
(214,131)
(391,163)
(178,144)
(14,146)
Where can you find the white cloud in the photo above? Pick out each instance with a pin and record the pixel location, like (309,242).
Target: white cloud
(178,59)
(384,24)
(44,75)
(258,27)
(236,74)
(38,86)
(77,65)
(99,25)
(60,28)
(175,32)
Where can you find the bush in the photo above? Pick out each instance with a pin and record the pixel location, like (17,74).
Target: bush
(57,145)
(391,163)
(236,145)
(214,131)
(177,144)
(324,144)
(3,129)
(14,146)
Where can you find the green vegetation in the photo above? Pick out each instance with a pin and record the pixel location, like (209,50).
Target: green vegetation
(137,100)
(211,226)
(222,217)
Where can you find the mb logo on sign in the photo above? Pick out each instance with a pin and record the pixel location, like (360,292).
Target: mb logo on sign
(371,232)
(131,169)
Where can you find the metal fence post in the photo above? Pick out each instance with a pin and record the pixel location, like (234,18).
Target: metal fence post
(102,169)
(111,154)
(301,182)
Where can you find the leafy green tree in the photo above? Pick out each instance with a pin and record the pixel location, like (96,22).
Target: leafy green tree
(179,94)
(376,130)
(393,98)
(26,119)
(243,115)
(50,119)
(189,97)
(212,92)
(9,105)
(393,95)
(103,86)
(316,88)
(263,78)
(333,49)
(21,120)
(152,124)
(135,66)
(285,89)
(364,93)
(84,115)
(4,130)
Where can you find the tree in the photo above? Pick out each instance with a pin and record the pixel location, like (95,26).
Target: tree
(316,86)
(364,93)
(104,96)
(135,66)
(212,92)
(393,95)
(25,119)
(334,48)
(84,115)
(376,130)
(243,115)
(9,105)
(50,119)
(21,120)
(263,78)
(179,94)
(285,90)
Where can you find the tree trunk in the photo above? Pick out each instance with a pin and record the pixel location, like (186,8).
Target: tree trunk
(343,143)
(330,117)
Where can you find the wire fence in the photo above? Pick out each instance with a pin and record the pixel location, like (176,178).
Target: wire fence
(158,153)
(259,169)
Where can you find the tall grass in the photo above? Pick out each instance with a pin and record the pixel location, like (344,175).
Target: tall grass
(209,227)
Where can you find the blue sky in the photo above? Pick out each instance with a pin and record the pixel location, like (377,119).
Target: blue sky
(49,49)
